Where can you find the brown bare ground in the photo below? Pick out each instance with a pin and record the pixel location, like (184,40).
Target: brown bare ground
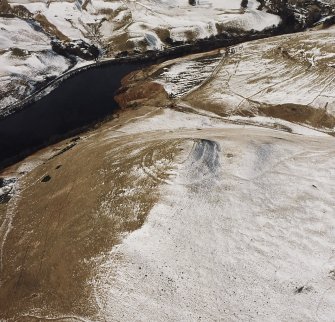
(100,189)
(50,28)
(146,91)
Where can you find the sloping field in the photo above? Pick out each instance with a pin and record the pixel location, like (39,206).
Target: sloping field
(189,211)
(239,224)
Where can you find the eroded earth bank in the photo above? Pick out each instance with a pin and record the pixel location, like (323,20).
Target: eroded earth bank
(208,197)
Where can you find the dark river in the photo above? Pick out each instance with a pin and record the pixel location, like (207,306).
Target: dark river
(86,98)
(78,101)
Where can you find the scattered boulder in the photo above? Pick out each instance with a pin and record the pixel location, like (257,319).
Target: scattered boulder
(244,4)
(6,187)
(46,178)
(328,21)
(303,289)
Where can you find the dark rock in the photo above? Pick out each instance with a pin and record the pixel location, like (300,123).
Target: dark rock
(124,53)
(244,4)
(77,138)
(46,178)
(78,48)
(299,289)
(303,289)
(6,187)
(67,148)
(297,14)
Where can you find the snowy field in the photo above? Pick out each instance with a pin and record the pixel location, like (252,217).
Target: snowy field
(239,222)
(26,59)
(244,227)
(196,22)
(142,23)
(213,206)
(243,230)
(290,77)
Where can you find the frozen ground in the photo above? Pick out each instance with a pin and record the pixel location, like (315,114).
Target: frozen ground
(244,227)
(197,22)
(238,223)
(243,230)
(289,77)
(26,59)
(187,212)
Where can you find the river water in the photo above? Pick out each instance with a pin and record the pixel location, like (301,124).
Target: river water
(78,101)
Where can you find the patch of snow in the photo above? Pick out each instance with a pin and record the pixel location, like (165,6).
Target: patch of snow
(18,33)
(244,231)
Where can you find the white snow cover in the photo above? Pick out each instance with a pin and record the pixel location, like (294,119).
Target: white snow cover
(15,32)
(18,74)
(171,120)
(71,19)
(25,58)
(282,77)
(112,25)
(179,79)
(243,231)
(140,18)
(181,19)
(295,69)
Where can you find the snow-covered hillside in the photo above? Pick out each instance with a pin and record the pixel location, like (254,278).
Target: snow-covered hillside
(243,231)
(208,197)
(288,77)
(147,23)
(26,58)
(191,211)
(238,224)
(29,27)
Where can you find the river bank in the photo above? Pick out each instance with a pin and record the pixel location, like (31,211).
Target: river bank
(83,97)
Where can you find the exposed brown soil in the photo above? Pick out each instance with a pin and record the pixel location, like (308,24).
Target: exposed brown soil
(94,193)
(318,118)
(50,28)
(295,113)
(144,92)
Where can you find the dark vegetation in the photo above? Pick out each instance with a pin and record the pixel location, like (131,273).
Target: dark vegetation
(78,48)
(244,4)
